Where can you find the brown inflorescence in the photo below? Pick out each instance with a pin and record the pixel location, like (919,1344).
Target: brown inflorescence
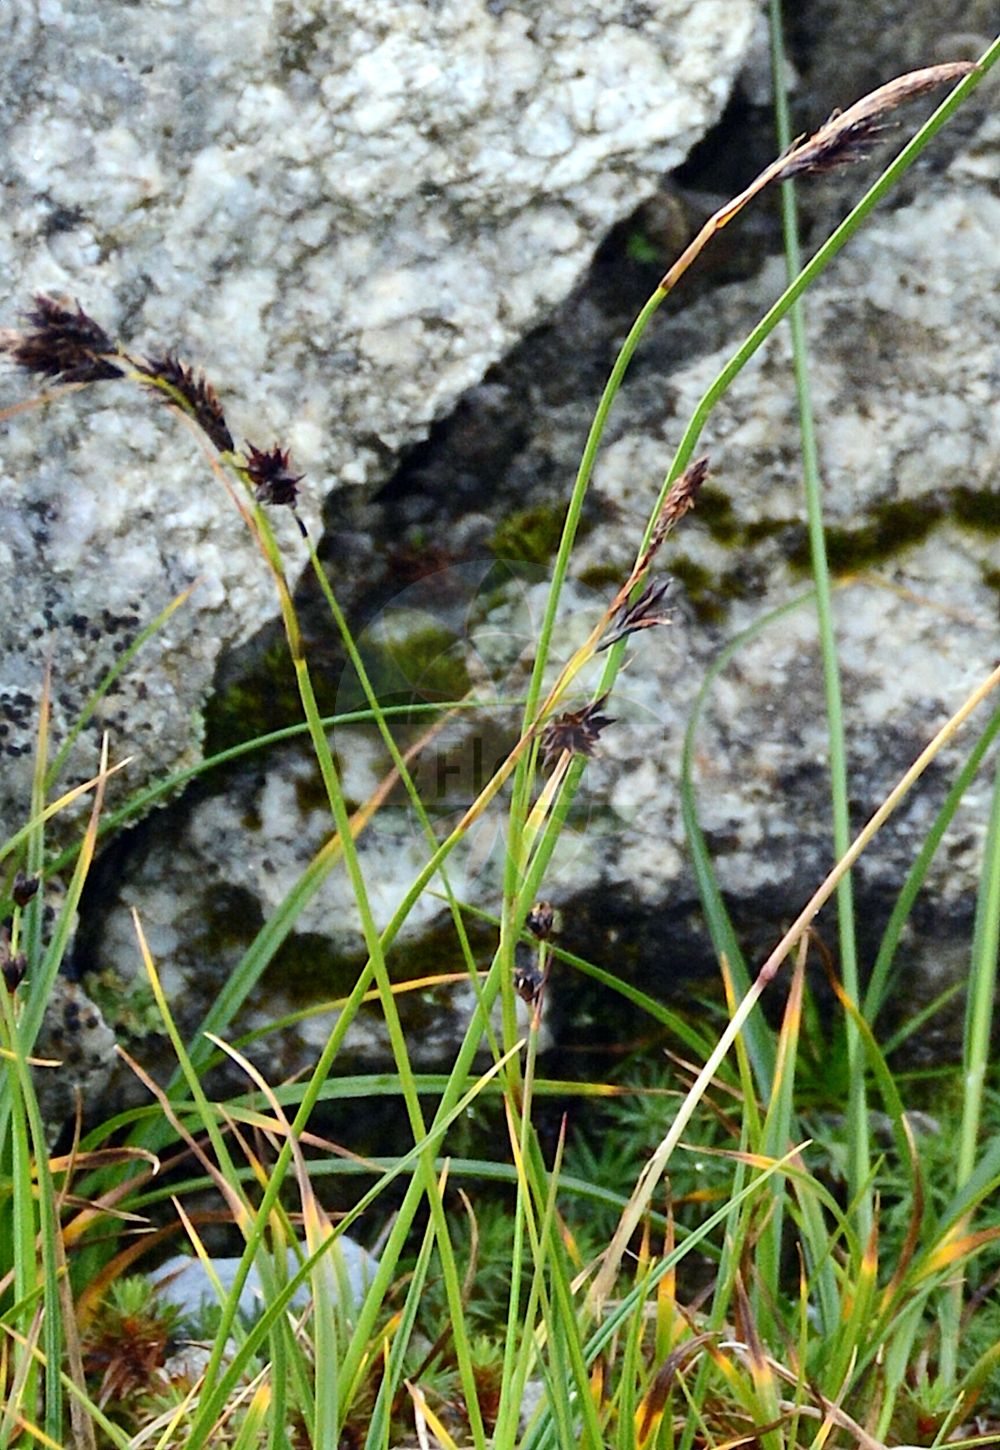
(529,979)
(680,500)
(849,135)
(541,920)
(271,476)
(170,378)
(24,888)
(60,341)
(645,613)
(13,965)
(577,731)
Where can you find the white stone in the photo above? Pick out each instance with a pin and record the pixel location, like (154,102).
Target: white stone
(186,1283)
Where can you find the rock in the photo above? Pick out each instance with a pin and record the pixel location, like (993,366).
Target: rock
(345,216)
(75,1051)
(78,1048)
(902,331)
(184,1281)
(903,334)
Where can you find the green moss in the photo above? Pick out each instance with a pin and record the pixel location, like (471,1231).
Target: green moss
(265,700)
(127,1006)
(894,526)
(310,792)
(438,950)
(225,918)
(977,509)
(639,247)
(898,525)
(701,588)
(715,511)
(604,576)
(531,534)
(423,666)
(427,665)
(762,529)
(309,968)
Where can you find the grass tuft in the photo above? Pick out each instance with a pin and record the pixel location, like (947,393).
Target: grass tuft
(741,1258)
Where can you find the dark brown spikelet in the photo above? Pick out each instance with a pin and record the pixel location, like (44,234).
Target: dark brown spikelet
(578,731)
(680,500)
(24,888)
(273,480)
(13,965)
(528,977)
(645,613)
(849,135)
(541,920)
(528,982)
(59,342)
(174,380)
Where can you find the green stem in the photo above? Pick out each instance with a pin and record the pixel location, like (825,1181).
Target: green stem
(976,1055)
(858,1151)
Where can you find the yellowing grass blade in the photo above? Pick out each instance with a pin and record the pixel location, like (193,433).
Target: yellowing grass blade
(249,1437)
(66,799)
(424,1412)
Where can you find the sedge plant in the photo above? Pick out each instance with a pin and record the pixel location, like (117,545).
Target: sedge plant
(616,1353)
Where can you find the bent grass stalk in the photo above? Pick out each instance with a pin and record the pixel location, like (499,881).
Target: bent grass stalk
(655,1167)
(264,536)
(979,1015)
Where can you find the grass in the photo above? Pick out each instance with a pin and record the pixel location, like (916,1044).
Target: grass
(809,1274)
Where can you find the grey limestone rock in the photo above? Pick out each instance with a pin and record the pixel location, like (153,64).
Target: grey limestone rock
(77,1052)
(345,213)
(903,333)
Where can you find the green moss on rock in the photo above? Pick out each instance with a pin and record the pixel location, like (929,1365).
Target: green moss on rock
(309,968)
(701,587)
(977,509)
(424,665)
(715,511)
(266,699)
(891,528)
(530,534)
